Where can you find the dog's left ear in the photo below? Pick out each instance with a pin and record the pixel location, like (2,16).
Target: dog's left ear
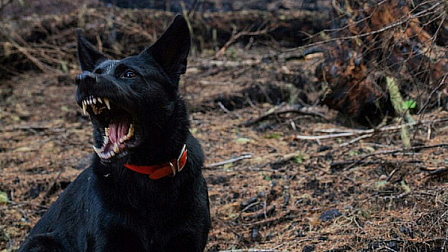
(172,48)
(88,56)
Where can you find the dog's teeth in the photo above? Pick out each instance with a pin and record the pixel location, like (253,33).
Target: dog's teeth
(107,103)
(99,100)
(95,111)
(84,108)
(130,132)
(97,150)
(105,140)
(94,100)
(116,149)
(106,132)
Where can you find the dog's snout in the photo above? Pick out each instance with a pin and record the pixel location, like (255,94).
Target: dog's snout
(85,77)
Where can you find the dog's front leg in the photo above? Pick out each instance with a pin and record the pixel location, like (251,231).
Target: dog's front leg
(42,243)
(187,242)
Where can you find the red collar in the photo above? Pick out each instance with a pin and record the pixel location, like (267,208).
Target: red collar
(162,170)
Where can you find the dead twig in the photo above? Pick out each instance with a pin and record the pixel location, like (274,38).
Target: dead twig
(338,165)
(228,161)
(428,99)
(238,35)
(388,152)
(356,140)
(338,135)
(295,109)
(36,62)
(400,22)
(228,111)
(434,172)
(365,133)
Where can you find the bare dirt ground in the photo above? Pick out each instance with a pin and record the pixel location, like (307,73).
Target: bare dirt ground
(361,192)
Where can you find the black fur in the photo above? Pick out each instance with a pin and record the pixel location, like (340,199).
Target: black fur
(111,208)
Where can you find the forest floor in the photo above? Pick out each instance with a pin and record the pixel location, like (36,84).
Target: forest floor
(285,190)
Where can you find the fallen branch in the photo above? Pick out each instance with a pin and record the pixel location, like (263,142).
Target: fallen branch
(236,36)
(36,62)
(388,152)
(348,132)
(356,140)
(301,137)
(232,160)
(339,165)
(294,109)
(434,172)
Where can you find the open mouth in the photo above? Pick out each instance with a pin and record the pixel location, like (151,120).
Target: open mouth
(116,126)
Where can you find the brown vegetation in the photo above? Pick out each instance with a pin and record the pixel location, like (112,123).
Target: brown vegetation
(285,171)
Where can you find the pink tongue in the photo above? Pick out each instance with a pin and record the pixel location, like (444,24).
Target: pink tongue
(117,130)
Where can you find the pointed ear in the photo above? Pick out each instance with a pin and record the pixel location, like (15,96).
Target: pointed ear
(88,56)
(172,48)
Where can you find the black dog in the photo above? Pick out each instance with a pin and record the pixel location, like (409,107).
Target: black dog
(144,190)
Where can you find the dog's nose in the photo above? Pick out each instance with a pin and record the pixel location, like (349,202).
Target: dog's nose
(85,77)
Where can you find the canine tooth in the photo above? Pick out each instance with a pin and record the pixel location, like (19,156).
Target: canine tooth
(131,131)
(97,150)
(84,108)
(116,149)
(107,103)
(99,99)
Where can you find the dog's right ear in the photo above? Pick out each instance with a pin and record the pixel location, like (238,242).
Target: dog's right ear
(88,56)
(172,48)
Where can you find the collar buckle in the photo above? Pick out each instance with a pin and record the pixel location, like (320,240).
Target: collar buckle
(172,169)
(179,159)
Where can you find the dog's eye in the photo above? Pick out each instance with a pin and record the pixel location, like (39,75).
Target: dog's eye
(128,75)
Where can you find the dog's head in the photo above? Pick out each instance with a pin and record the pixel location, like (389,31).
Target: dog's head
(130,100)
